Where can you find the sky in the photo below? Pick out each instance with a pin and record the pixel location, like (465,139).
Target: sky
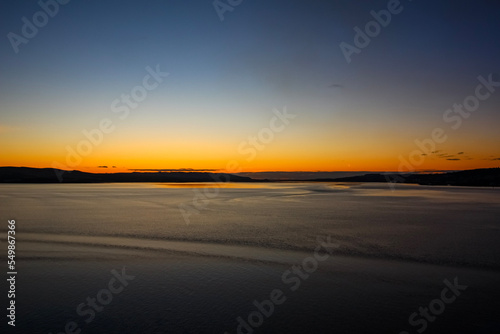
(106,86)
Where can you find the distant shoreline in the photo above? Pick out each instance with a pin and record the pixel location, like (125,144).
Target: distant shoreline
(486,177)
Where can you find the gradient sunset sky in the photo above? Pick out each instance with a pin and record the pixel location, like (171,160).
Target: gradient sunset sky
(226,78)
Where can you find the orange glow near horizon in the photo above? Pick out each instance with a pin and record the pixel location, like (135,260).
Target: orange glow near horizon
(235,166)
(266,94)
(302,146)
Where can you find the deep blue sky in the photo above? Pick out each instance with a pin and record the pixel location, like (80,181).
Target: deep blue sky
(225,77)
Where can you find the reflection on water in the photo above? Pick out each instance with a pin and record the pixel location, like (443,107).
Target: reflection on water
(428,224)
(225,185)
(254,185)
(199,278)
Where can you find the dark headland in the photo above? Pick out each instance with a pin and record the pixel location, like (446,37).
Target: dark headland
(487,177)
(52,175)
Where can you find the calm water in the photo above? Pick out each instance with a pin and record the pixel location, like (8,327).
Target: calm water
(449,225)
(200,256)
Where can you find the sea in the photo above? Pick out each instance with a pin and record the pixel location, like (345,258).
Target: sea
(270,257)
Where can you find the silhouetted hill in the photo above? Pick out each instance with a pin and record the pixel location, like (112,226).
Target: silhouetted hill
(487,177)
(51,175)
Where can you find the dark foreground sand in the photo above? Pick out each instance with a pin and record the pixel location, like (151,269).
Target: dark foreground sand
(205,290)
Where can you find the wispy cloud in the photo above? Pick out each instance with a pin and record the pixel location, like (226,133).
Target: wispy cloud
(452,157)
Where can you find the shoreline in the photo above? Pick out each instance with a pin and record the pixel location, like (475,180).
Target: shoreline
(483,177)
